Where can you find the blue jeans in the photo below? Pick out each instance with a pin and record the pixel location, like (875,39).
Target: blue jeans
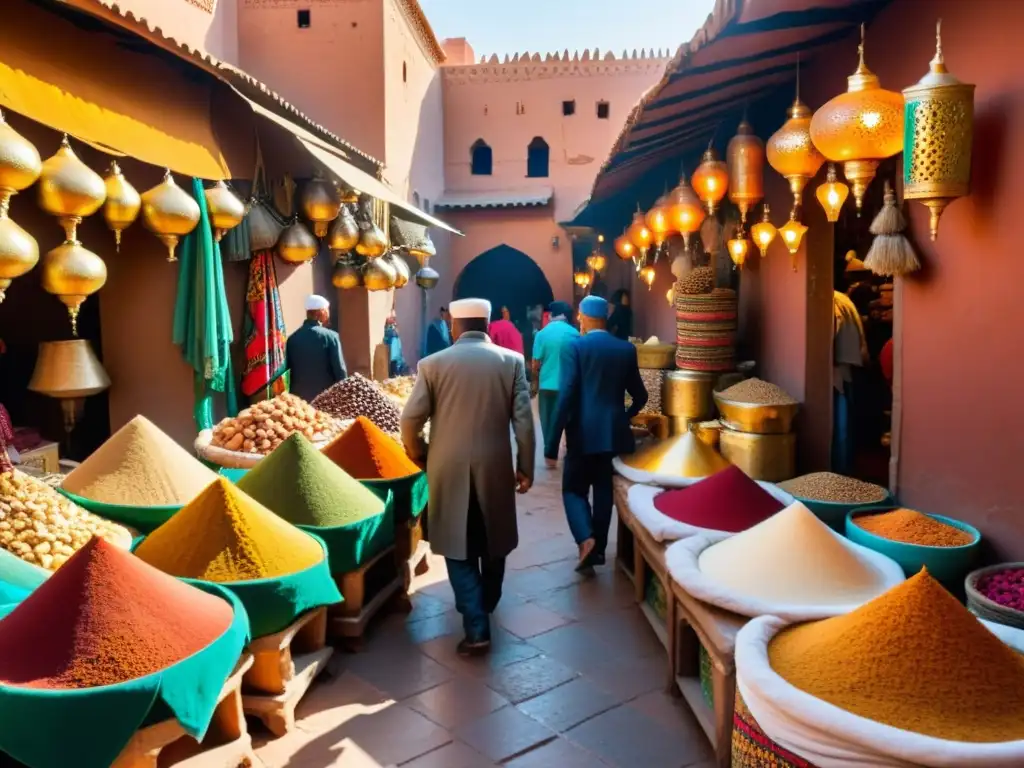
(477,587)
(581,476)
(547,400)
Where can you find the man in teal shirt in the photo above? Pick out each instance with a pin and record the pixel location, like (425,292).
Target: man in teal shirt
(548,345)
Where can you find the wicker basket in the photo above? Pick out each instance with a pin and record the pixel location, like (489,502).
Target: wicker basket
(656,356)
(987,609)
(222,457)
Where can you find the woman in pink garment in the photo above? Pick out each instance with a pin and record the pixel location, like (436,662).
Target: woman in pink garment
(504,333)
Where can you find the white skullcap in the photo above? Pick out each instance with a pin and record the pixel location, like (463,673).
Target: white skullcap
(315,303)
(470,309)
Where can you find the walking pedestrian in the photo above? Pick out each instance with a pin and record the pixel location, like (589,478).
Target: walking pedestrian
(504,333)
(438,334)
(471,393)
(314,352)
(548,350)
(598,371)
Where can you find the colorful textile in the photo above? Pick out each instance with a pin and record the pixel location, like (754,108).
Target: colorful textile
(751,747)
(264,329)
(6,430)
(505,334)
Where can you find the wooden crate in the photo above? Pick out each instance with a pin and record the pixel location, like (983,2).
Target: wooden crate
(276,657)
(412,556)
(227,743)
(367,591)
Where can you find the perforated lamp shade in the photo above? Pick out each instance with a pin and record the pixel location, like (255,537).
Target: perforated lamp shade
(764,232)
(659,220)
(624,248)
(711,179)
(687,212)
(832,194)
(639,234)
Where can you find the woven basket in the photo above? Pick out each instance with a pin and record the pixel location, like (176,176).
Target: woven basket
(987,609)
(753,748)
(656,356)
(222,457)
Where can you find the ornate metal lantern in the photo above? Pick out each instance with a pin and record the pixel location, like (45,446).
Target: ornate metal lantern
(687,212)
(711,179)
(596,261)
(791,152)
(169,212)
(745,159)
(659,220)
(20,166)
(624,247)
(225,209)
(764,232)
(792,235)
(121,208)
(639,234)
(832,194)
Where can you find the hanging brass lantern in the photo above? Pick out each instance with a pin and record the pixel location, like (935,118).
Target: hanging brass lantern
(648,274)
(372,241)
(297,244)
(123,203)
(72,273)
(670,296)
(344,233)
(624,247)
(321,203)
(402,274)
(582,278)
(226,210)
(639,234)
(169,212)
(68,188)
(596,261)
(427,277)
(659,220)
(764,232)
(861,127)
(711,179)
(20,166)
(832,194)
(791,152)
(792,235)
(687,212)
(379,275)
(346,276)
(745,158)
(738,247)
(939,114)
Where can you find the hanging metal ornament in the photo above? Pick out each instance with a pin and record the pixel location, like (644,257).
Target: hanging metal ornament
(427,277)
(321,203)
(20,166)
(939,116)
(346,275)
(68,188)
(297,245)
(639,233)
(169,212)
(648,275)
(764,232)
(659,220)
(745,158)
(225,208)
(379,275)
(687,211)
(402,273)
(373,243)
(624,247)
(344,232)
(72,272)
(711,179)
(791,152)
(122,205)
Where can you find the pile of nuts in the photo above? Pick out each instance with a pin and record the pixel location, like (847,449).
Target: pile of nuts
(44,528)
(654,380)
(699,280)
(358,396)
(399,388)
(839,489)
(265,425)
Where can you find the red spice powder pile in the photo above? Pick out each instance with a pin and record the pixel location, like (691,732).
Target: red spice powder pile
(726,501)
(106,617)
(366,452)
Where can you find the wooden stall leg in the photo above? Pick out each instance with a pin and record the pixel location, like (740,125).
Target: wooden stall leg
(639,571)
(671,626)
(724,687)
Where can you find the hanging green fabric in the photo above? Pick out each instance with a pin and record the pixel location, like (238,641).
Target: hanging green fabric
(202,320)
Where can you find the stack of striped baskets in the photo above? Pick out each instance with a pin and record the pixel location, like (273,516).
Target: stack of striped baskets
(706,325)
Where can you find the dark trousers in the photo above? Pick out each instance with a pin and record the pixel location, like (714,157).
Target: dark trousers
(476,581)
(547,400)
(843,438)
(581,476)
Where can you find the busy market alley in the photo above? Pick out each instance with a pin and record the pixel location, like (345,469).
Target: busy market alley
(575,679)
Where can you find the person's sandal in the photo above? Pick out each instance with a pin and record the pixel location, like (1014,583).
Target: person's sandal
(469,647)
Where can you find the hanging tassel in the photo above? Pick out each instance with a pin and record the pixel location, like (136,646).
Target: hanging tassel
(891,254)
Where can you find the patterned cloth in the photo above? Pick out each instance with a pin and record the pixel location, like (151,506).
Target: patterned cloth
(264,331)
(751,748)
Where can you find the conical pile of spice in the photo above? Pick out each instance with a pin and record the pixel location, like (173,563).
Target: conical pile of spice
(793,558)
(139,466)
(104,618)
(367,453)
(727,501)
(914,659)
(302,485)
(225,536)
(684,455)
(912,527)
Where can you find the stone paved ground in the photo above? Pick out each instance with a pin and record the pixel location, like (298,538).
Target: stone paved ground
(575,679)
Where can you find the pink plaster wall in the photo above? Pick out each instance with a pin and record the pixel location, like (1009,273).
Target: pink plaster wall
(209,25)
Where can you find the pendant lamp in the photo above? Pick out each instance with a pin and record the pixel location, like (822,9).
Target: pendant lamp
(861,127)
(686,211)
(659,220)
(792,235)
(639,234)
(624,247)
(670,296)
(738,247)
(581,278)
(647,274)
(832,194)
(596,261)
(711,179)
(745,160)
(790,150)
(764,232)
(939,113)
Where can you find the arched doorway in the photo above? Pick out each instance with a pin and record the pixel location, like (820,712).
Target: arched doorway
(507,278)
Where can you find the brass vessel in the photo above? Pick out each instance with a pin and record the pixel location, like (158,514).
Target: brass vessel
(68,188)
(402,273)
(20,164)
(346,276)
(427,277)
(745,158)
(379,275)
(225,208)
(297,244)
(72,273)
(688,393)
(755,418)
(372,240)
(771,458)
(169,212)
(939,117)
(321,202)
(123,202)
(684,455)
(344,233)
(19,251)
(425,249)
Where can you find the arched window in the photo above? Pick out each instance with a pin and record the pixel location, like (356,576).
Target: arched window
(481,158)
(537,155)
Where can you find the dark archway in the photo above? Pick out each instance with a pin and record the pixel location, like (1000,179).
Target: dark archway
(537,158)
(481,159)
(505,277)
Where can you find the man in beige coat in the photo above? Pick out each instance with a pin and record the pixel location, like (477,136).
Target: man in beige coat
(471,393)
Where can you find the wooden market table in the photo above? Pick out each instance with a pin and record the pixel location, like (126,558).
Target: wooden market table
(640,556)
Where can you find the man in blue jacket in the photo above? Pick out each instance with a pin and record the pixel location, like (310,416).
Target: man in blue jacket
(598,370)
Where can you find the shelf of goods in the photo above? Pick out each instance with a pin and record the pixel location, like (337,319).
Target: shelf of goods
(756,434)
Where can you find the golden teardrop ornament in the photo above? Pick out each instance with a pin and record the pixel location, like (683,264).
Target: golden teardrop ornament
(346,276)
(20,164)
(226,209)
(344,234)
(297,244)
(68,188)
(402,272)
(372,241)
(379,275)
(123,202)
(72,273)
(169,212)
(791,152)
(321,203)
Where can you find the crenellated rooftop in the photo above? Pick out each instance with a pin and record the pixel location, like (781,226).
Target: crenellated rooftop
(531,66)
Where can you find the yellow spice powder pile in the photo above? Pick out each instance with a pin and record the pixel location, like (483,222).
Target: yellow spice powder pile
(914,659)
(223,535)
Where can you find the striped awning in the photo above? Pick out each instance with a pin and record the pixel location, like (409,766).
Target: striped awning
(523,199)
(745,52)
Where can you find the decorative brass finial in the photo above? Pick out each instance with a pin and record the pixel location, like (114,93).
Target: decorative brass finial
(938,63)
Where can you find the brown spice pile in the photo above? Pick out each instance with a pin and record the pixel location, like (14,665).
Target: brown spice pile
(839,489)
(758,392)
(911,527)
